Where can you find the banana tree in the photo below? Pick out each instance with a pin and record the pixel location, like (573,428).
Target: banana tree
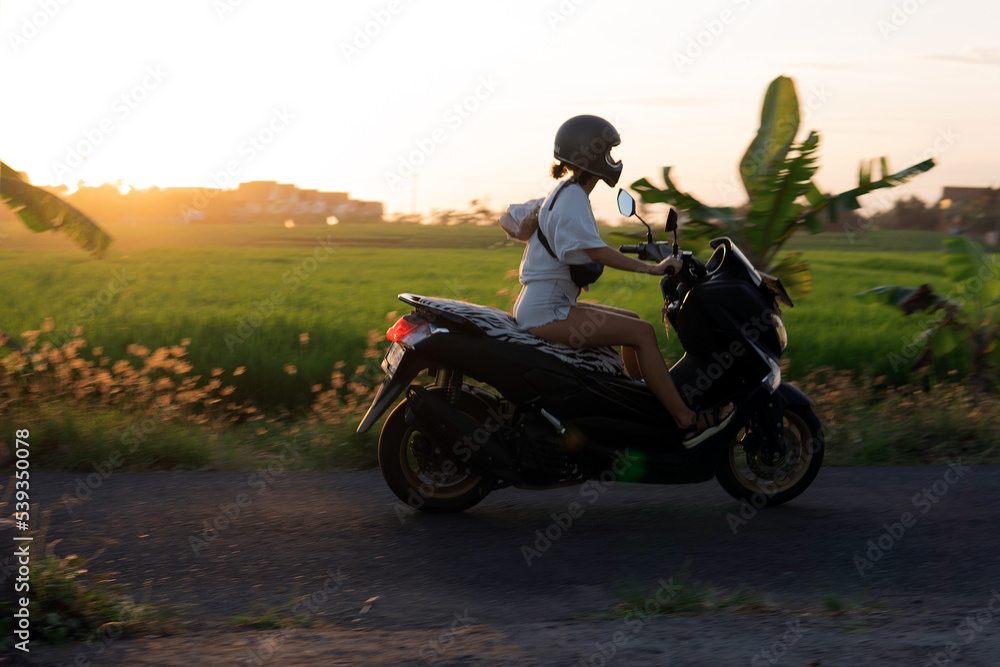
(42,211)
(777,174)
(969,319)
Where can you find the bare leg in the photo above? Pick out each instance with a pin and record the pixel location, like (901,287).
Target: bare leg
(608,309)
(629,355)
(597,327)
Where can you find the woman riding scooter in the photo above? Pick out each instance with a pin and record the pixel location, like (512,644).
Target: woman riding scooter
(566,252)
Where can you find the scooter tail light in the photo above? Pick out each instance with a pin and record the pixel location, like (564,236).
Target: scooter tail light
(409,332)
(402,329)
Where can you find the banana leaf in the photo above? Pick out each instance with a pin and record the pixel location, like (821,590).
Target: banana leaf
(944,340)
(975,273)
(795,275)
(783,197)
(779,122)
(42,211)
(681,200)
(964,259)
(705,222)
(909,299)
(774,212)
(833,205)
(891,295)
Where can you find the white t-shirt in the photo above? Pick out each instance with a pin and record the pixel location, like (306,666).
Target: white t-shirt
(571,230)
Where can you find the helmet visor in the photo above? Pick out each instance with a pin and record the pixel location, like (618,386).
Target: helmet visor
(611,160)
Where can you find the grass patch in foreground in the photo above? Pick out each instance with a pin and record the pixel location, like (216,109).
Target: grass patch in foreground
(74,438)
(274,618)
(682,595)
(74,604)
(867,422)
(856,604)
(70,603)
(155,412)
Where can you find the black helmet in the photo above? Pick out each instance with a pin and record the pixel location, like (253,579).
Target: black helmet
(586,142)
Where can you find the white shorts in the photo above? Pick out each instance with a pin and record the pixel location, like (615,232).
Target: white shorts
(544,301)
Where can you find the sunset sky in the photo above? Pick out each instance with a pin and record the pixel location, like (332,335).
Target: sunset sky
(469,94)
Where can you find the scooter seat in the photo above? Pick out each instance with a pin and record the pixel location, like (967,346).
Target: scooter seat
(501,325)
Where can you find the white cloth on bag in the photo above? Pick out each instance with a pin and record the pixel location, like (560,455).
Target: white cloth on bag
(518,212)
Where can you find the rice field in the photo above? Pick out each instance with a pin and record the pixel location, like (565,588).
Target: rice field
(272,299)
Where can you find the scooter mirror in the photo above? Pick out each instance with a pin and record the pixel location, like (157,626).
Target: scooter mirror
(671,220)
(626,205)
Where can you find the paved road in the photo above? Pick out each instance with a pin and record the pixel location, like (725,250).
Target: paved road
(926,539)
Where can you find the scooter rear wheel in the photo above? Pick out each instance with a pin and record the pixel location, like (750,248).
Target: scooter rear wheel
(426,475)
(768,473)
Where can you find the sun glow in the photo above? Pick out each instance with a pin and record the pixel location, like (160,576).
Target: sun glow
(419,111)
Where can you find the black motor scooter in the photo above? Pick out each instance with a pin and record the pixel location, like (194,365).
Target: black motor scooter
(552,415)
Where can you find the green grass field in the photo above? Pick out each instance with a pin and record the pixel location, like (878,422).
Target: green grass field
(244,295)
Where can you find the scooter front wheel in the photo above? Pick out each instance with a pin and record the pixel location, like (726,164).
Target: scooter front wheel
(427,475)
(771,473)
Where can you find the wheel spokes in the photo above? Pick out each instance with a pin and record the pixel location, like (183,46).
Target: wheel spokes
(419,468)
(752,472)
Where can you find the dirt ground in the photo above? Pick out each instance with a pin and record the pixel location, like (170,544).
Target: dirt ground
(719,640)
(416,589)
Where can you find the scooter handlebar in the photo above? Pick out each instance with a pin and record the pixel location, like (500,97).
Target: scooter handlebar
(655,252)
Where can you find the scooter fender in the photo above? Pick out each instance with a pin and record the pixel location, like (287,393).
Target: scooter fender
(792,395)
(774,406)
(410,367)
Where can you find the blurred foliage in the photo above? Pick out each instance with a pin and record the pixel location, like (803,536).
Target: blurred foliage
(967,319)
(71,603)
(869,422)
(777,174)
(153,411)
(476,213)
(42,211)
(912,213)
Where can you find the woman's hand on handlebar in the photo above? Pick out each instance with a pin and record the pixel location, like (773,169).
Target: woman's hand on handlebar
(669,266)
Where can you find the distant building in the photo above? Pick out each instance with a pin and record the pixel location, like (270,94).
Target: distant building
(971,195)
(256,201)
(331,200)
(972,210)
(270,197)
(309,202)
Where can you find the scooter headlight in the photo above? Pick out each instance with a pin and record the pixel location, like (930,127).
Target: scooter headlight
(773,379)
(779,327)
